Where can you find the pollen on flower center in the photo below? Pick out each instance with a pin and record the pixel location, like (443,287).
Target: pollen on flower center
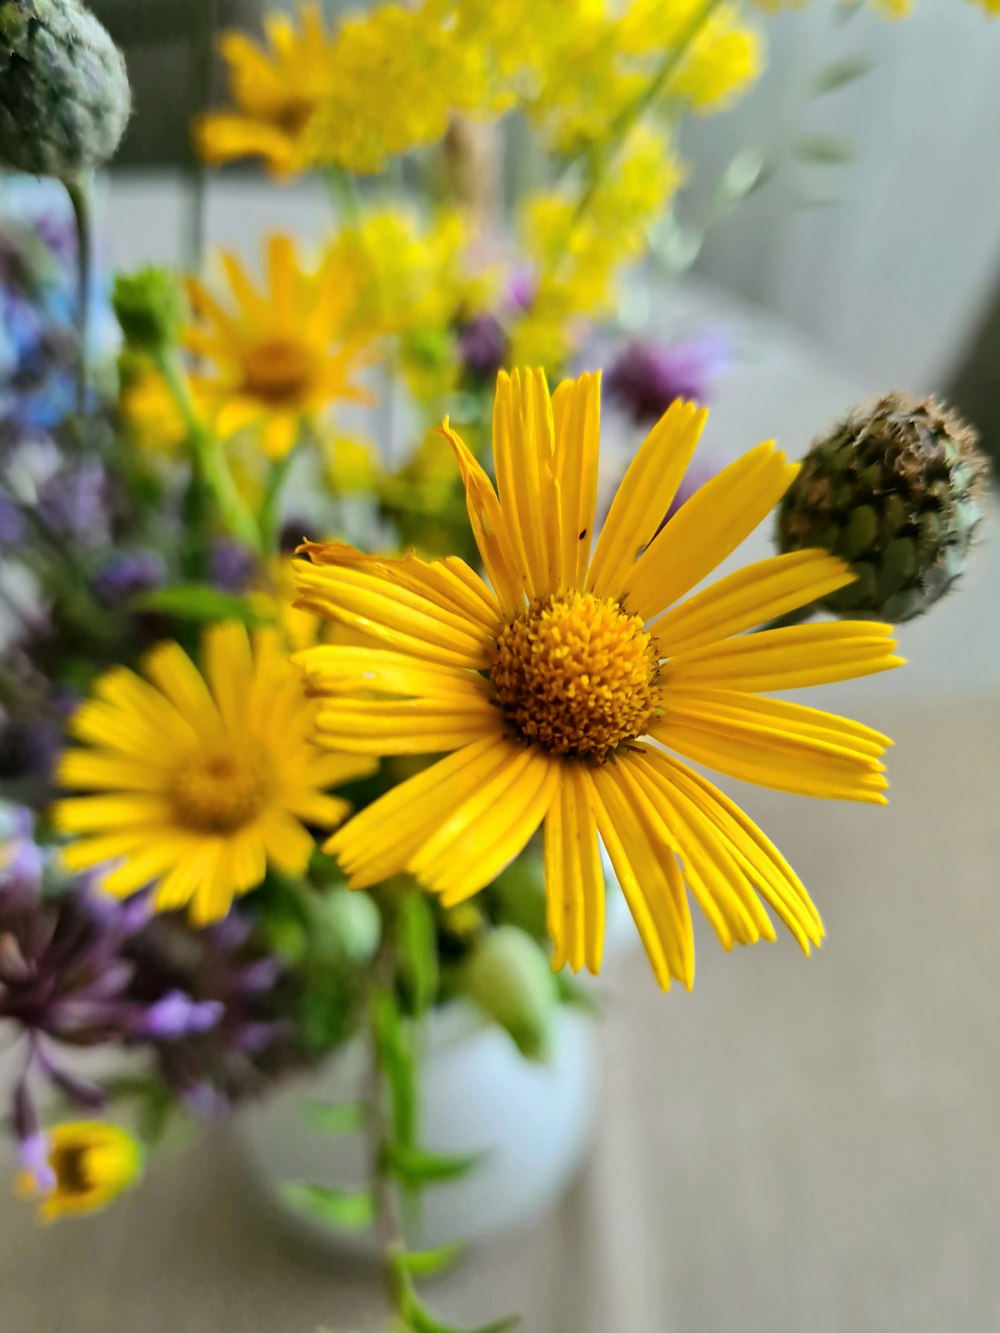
(576,675)
(279,372)
(219,791)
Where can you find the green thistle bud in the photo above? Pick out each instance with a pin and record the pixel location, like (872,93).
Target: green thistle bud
(509,978)
(64,93)
(897,491)
(150,309)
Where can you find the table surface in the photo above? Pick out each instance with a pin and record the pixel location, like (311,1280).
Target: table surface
(796,1145)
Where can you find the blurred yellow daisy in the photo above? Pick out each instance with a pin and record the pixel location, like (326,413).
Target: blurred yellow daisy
(276,91)
(92,1163)
(199,783)
(560,689)
(280,354)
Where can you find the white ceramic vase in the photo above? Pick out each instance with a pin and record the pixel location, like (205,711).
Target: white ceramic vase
(533,1122)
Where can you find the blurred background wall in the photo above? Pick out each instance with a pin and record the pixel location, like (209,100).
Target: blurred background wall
(891,259)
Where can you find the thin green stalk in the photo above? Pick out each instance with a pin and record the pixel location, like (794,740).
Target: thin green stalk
(209,460)
(344,194)
(80,195)
(270,510)
(634,112)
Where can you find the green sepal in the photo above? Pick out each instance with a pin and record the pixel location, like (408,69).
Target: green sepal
(331,1119)
(196,601)
(414,1167)
(341,1209)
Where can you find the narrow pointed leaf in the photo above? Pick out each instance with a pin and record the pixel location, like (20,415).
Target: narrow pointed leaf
(414,1167)
(338,1208)
(396,1056)
(422,1321)
(428,1263)
(839,73)
(825,149)
(193,601)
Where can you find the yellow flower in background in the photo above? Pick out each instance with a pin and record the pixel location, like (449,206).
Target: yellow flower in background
(560,689)
(396,74)
(200,782)
(276,91)
(151,413)
(411,274)
(580,258)
(93,1163)
(280,354)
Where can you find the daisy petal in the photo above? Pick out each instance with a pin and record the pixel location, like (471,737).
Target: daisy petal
(704,531)
(649,876)
(785,659)
(576,408)
(751,596)
(574,876)
(645,495)
(776,744)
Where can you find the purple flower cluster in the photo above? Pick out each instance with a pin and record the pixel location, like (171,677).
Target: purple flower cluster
(646,377)
(67,981)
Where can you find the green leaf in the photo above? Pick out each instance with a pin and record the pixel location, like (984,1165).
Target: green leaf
(418,955)
(824,149)
(428,1263)
(745,174)
(398,1065)
(338,1208)
(196,601)
(330,1119)
(576,996)
(839,73)
(415,1167)
(421,1320)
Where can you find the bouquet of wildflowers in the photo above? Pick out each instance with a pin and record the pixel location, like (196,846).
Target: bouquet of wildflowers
(304,732)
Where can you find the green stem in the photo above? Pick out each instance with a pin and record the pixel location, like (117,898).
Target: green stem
(80,195)
(209,459)
(270,510)
(344,194)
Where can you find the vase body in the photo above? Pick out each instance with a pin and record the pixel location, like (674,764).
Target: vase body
(532,1122)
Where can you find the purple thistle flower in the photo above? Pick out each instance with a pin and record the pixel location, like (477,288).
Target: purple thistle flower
(482,346)
(645,378)
(128,574)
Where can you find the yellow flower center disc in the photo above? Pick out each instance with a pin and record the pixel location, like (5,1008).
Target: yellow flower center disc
(280,372)
(219,791)
(576,675)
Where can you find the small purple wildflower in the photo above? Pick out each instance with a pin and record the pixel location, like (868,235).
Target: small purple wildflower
(128,574)
(482,346)
(645,378)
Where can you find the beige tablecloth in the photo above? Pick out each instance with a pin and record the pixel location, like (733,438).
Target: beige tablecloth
(798,1145)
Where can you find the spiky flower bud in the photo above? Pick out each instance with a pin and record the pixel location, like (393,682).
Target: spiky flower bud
(150,308)
(897,491)
(509,979)
(64,92)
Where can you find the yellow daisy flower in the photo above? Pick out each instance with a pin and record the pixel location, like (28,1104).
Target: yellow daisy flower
(199,783)
(281,354)
(277,92)
(560,689)
(92,1162)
